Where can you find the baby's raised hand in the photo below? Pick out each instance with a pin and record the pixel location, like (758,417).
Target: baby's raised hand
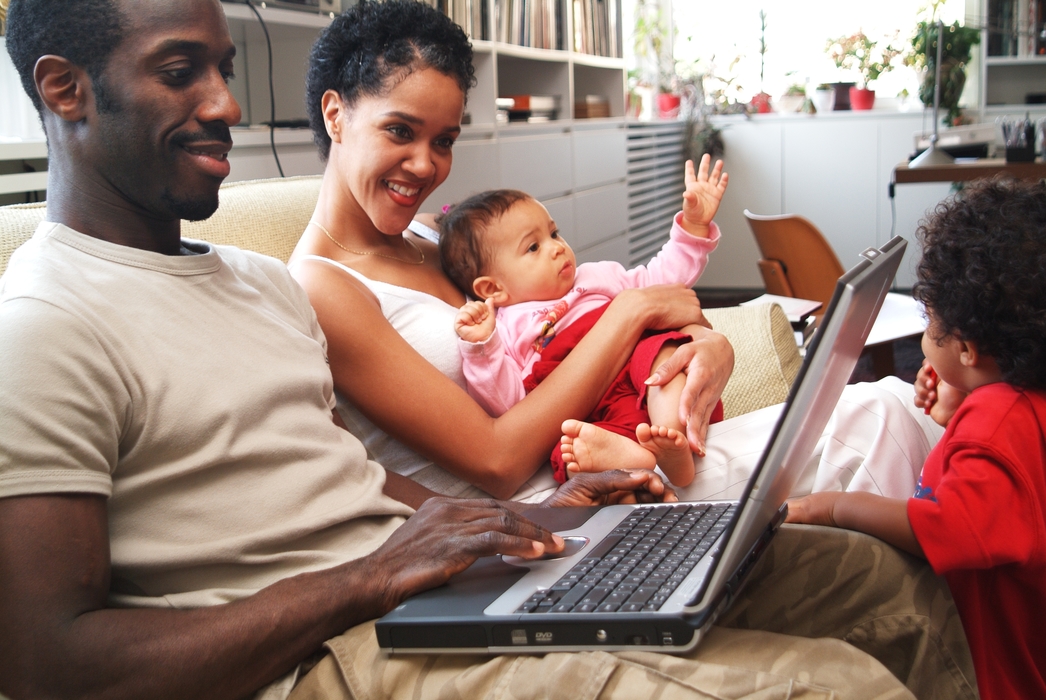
(703,193)
(475,321)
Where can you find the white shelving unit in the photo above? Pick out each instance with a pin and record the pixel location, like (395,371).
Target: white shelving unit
(577,167)
(1013,55)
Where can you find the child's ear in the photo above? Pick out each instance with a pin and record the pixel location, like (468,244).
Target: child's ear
(968,353)
(486,287)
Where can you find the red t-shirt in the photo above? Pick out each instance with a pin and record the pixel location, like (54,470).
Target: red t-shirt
(979,514)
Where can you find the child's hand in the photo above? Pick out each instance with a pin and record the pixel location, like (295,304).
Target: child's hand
(937,398)
(475,321)
(815,509)
(926,387)
(948,400)
(702,195)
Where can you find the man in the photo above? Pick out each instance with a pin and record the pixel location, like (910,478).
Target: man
(179,515)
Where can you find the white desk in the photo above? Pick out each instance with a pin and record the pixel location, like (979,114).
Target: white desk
(900,317)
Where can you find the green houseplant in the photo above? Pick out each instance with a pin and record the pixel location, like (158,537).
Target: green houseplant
(956,50)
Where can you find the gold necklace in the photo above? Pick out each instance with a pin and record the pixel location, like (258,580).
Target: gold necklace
(411,243)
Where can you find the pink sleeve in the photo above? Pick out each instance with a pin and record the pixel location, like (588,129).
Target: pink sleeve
(492,378)
(680,261)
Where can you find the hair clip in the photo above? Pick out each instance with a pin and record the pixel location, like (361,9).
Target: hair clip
(446,208)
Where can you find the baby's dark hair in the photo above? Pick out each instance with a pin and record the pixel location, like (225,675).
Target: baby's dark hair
(461,250)
(84,32)
(370,42)
(983,274)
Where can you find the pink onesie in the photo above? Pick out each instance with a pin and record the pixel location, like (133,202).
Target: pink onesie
(495,368)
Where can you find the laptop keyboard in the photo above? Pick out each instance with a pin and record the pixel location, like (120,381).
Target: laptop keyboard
(639,564)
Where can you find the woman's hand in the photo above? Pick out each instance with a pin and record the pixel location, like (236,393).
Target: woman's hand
(662,306)
(619,486)
(708,361)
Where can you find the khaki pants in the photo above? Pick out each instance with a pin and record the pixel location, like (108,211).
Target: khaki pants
(827,614)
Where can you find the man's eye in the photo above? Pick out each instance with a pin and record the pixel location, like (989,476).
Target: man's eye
(228,75)
(179,75)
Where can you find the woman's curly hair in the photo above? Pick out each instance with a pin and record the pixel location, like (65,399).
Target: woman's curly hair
(361,48)
(983,274)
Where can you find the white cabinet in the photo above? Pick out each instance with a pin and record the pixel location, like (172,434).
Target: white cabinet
(832,169)
(1013,56)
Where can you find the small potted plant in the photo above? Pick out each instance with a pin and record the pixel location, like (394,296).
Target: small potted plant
(859,54)
(792,99)
(823,97)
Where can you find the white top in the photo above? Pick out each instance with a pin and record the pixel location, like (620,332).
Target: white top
(427,324)
(193,392)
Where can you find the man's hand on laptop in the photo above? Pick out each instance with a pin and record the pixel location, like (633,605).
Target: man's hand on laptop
(443,537)
(604,488)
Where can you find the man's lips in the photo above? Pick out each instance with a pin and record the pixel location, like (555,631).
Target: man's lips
(211,157)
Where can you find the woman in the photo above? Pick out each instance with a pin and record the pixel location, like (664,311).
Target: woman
(386,90)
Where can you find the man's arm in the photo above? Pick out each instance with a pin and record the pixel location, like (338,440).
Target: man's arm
(57,638)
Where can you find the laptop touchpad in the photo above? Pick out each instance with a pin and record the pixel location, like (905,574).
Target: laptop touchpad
(571,546)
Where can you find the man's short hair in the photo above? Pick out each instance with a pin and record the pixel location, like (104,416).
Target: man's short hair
(983,274)
(462,252)
(364,46)
(83,31)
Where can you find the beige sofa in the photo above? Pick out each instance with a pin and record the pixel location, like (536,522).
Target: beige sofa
(268,216)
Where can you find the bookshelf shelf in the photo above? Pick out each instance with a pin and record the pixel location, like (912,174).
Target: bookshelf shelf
(1013,52)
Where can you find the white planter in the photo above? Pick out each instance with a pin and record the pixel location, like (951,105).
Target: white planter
(823,100)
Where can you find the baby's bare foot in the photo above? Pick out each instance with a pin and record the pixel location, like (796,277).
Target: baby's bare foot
(670,450)
(588,448)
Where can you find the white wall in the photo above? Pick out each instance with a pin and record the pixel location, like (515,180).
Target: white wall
(834,169)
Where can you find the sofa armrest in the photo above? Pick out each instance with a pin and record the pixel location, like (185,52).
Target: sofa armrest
(766,356)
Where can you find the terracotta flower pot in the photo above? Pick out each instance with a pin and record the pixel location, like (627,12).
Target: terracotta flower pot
(861,98)
(668,105)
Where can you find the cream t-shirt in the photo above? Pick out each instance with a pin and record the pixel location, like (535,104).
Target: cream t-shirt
(194,393)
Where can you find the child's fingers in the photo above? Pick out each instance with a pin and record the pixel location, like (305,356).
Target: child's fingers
(689,178)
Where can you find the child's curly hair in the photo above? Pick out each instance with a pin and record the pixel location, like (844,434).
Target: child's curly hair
(983,274)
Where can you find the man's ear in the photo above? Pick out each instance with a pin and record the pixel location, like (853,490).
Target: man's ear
(332,108)
(64,88)
(486,287)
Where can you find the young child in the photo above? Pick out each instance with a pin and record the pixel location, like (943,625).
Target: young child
(502,247)
(979,509)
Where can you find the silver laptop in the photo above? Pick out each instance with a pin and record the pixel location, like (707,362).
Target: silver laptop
(652,577)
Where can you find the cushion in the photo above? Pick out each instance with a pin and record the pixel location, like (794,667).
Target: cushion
(766,358)
(267,216)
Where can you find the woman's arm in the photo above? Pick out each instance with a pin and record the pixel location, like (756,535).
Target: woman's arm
(408,398)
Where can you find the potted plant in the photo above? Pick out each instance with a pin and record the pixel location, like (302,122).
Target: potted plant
(793,98)
(761,100)
(857,53)
(823,97)
(955,54)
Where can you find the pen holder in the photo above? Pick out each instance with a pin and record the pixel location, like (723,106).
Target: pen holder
(1020,142)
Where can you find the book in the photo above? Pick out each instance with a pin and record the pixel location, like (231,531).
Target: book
(795,309)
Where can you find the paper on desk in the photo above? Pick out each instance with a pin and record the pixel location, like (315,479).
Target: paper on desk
(795,309)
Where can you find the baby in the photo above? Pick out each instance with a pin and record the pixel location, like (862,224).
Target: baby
(978,514)
(502,246)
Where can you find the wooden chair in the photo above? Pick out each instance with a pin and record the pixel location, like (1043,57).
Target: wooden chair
(797,260)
